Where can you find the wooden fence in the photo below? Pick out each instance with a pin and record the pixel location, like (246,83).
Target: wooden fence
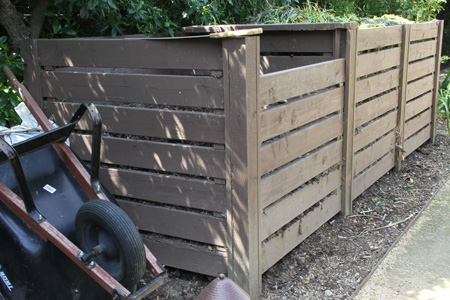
(228,153)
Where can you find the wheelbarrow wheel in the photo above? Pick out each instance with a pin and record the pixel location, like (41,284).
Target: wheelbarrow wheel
(122,254)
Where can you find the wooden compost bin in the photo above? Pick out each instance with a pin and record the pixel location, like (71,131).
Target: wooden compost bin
(228,153)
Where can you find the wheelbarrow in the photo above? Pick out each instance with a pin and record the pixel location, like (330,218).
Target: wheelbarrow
(62,234)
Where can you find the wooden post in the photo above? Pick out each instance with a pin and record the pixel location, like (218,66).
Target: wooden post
(242,142)
(32,75)
(400,135)
(349,119)
(436,81)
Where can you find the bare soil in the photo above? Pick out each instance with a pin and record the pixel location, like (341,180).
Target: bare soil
(334,261)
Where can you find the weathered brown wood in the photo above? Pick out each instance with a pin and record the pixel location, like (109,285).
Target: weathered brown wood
(179,158)
(422,31)
(285,180)
(419,87)
(418,105)
(377,61)
(370,110)
(414,125)
(422,50)
(241,68)
(177,223)
(190,91)
(165,189)
(282,212)
(377,84)
(297,42)
(370,176)
(365,158)
(279,246)
(374,130)
(437,72)
(283,150)
(421,68)
(132,53)
(168,124)
(373,38)
(291,83)
(417,140)
(187,256)
(284,118)
(32,76)
(270,64)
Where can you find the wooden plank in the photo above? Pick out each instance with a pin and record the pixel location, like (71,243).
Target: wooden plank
(377,84)
(190,91)
(414,125)
(281,213)
(370,110)
(167,124)
(437,73)
(242,143)
(422,31)
(297,41)
(365,158)
(421,68)
(372,38)
(370,176)
(271,64)
(417,140)
(373,62)
(419,87)
(291,83)
(186,256)
(285,149)
(422,50)
(178,158)
(284,118)
(177,223)
(418,105)
(32,77)
(278,247)
(375,130)
(132,53)
(285,180)
(165,189)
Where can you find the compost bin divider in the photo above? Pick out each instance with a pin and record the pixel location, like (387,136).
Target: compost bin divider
(437,70)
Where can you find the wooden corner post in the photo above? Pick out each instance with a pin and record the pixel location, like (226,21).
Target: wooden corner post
(349,118)
(242,142)
(437,69)
(32,76)
(404,63)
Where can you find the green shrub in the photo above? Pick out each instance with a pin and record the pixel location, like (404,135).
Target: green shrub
(444,100)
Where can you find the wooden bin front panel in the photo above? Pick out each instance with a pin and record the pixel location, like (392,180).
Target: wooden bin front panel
(301,132)
(163,154)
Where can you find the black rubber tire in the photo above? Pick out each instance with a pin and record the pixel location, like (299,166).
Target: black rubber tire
(103,222)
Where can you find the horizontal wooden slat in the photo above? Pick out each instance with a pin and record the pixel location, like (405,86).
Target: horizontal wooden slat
(365,158)
(168,189)
(168,124)
(177,223)
(179,158)
(280,245)
(377,61)
(421,31)
(183,255)
(417,106)
(374,130)
(297,143)
(422,50)
(297,41)
(376,85)
(417,140)
(371,38)
(370,176)
(375,108)
(421,68)
(294,204)
(291,83)
(419,87)
(283,181)
(191,91)
(132,53)
(271,64)
(414,125)
(284,118)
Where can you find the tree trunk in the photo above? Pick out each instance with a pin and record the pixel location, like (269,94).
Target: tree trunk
(12,21)
(37,18)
